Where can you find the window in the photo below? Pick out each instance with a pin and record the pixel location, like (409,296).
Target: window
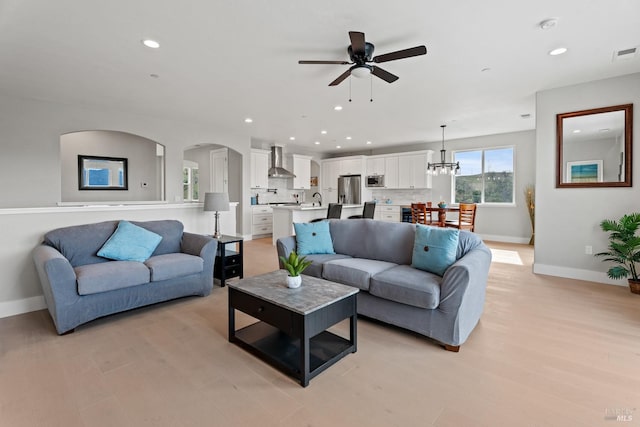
(190,190)
(486,176)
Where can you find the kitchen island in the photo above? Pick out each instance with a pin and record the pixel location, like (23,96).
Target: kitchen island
(285,216)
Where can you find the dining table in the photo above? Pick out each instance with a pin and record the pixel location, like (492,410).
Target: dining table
(442,213)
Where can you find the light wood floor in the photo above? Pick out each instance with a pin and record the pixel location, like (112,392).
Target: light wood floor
(547,352)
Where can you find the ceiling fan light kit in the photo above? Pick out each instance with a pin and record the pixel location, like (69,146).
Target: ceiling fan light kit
(361,54)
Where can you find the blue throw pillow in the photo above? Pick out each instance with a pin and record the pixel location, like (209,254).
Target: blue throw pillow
(130,243)
(434,249)
(313,238)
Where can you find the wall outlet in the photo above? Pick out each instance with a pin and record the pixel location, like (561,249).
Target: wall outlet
(588,250)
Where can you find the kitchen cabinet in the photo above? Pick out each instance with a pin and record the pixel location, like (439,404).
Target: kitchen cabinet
(412,170)
(301,168)
(388,213)
(391,172)
(351,166)
(329,180)
(259,168)
(261,220)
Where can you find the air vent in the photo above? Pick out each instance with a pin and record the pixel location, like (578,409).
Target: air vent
(625,54)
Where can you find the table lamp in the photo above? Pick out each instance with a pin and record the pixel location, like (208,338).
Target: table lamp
(216,202)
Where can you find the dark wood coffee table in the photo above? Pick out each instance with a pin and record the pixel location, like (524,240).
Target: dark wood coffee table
(291,334)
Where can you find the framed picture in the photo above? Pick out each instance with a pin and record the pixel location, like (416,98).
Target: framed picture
(102,173)
(584,171)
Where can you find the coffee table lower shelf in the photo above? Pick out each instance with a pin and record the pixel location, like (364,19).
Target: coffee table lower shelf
(283,351)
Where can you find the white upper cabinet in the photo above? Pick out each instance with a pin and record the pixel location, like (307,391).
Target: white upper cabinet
(391,172)
(375,166)
(351,166)
(412,170)
(301,166)
(259,168)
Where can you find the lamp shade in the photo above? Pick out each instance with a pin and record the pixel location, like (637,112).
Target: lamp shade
(216,202)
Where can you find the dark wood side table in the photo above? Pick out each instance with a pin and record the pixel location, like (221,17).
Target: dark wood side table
(228,262)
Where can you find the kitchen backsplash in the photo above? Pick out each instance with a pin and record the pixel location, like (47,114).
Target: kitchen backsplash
(282,193)
(402,197)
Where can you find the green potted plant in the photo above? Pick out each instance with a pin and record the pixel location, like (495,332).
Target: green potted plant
(295,265)
(624,249)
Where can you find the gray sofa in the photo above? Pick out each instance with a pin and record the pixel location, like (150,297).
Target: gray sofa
(80,286)
(375,256)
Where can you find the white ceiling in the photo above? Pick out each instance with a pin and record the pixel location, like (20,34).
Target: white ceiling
(222,61)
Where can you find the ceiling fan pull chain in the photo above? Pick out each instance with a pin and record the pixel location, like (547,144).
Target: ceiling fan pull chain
(371,88)
(349,88)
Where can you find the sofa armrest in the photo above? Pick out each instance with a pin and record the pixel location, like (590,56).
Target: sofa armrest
(466,280)
(58,280)
(284,246)
(202,246)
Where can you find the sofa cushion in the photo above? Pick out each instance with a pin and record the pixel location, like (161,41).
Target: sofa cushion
(380,240)
(171,231)
(169,266)
(313,238)
(107,276)
(434,249)
(407,285)
(130,243)
(79,244)
(355,272)
(318,261)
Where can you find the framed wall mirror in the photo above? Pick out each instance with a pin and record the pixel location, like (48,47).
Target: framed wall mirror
(102,173)
(594,147)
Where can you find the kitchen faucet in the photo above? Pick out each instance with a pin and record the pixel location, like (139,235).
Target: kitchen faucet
(320,196)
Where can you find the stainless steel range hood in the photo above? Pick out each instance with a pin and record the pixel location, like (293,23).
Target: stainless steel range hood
(276,170)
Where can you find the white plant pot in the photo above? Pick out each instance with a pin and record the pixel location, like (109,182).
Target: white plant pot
(294,281)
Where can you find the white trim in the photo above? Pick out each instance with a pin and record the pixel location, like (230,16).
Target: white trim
(11,308)
(576,273)
(505,239)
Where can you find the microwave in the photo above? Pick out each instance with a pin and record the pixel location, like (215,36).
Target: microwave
(375,181)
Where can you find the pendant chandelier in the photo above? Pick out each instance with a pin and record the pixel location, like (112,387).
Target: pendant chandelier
(443,167)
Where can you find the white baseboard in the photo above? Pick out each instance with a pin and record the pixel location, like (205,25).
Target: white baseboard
(11,308)
(505,239)
(576,273)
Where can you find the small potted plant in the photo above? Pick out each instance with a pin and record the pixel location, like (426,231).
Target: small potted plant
(624,249)
(295,265)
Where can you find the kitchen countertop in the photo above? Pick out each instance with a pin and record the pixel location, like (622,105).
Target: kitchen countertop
(308,207)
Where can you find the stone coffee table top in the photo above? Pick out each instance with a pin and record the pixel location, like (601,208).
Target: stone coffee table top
(313,293)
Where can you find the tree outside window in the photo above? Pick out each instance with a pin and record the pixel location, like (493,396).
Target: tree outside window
(190,187)
(486,176)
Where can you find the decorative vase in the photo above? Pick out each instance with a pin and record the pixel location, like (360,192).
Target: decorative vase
(442,205)
(634,286)
(294,281)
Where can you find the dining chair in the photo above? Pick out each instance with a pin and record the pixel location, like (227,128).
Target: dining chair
(466,218)
(420,214)
(367,212)
(334,211)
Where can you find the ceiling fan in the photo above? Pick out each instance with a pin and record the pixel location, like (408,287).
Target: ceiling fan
(360,53)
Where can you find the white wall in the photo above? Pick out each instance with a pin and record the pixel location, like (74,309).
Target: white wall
(30,133)
(142,165)
(567,219)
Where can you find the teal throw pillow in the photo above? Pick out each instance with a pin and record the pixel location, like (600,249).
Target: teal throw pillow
(434,249)
(130,243)
(313,238)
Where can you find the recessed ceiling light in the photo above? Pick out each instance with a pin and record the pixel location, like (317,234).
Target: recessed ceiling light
(151,43)
(368,142)
(338,107)
(604,130)
(548,23)
(317,142)
(324,132)
(485,69)
(292,138)
(248,120)
(558,51)
(348,137)
(338,146)
(577,131)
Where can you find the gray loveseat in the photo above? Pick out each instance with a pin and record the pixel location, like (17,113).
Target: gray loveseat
(375,256)
(80,286)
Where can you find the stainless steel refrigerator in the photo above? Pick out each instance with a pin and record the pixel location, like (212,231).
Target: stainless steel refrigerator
(349,189)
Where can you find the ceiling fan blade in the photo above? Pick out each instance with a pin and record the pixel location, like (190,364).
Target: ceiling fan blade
(400,54)
(357,43)
(324,62)
(341,78)
(384,75)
